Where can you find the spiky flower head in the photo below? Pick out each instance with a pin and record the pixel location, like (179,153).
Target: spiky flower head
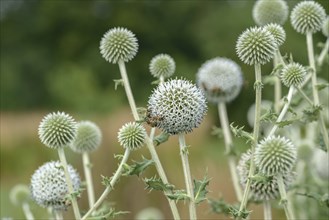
(19,194)
(275,155)
(256,46)
(263,186)
(176,106)
(270,11)
(293,74)
(307,16)
(278,33)
(132,135)
(88,137)
(220,79)
(118,44)
(49,188)
(325,27)
(162,65)
(57,130)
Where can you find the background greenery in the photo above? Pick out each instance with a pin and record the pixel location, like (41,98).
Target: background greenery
(50,61)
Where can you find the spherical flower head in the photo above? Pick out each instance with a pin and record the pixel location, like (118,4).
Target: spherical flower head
(261,190)
(88,138)
(270,11)
(118,44)
(176,106)
(325,27)
(162,65)
(278,33)
(19,194)
(307,16)
(256,46)
(132,135)
(220,79)
(49,188)
(275,155)
(293,74)
(57,130)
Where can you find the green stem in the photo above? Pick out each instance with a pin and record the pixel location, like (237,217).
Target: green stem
(187,175)
(58,214)
(284,198)
(323,53)
(229,147)
(27,211)
(109,188)
(258,102)
(89,179)
(310,52)
(62,158)
(277,83)
(283,111)
(267,210)
(149,141)
(304,96)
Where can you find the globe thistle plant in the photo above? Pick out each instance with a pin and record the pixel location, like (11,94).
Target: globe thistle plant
(118,44)
(270,11)
(162,65)
(263,187)
(307,16)
(293,74)
(176,106)
(132,135)
(57,130)
(88,137)
(256,46)
(49,188)
(275,155)
(278,33)
(220,79)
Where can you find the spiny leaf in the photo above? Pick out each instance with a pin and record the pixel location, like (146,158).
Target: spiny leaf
(137,167)
(239,132)
(217,131)
(222,207)
(106,181)
(117,82)
(200,191)
(106,212)
(269,116)
(154,183)
(276,71)
(161,138)
(282,124)
(312,113)
(322,86)
(323,200)
(178,195)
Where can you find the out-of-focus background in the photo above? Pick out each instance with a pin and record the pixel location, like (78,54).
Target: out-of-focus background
(50,61)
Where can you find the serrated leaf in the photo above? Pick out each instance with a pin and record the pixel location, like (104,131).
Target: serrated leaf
(118,82)
(106,212)
(161,138)
(157,184)
(239,132)
(220,206)
(178,195)
(284,123)
(200,191)
(277,70)
(137,167)
(322,86)
(312,113)
(269,116)
(106,181)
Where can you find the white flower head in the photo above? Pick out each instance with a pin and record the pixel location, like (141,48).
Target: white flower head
(270,11)
(162,65)
(277,31)
(132,135)
(293,74)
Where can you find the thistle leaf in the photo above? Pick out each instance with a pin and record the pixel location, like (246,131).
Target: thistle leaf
(178,195)
(137,167)
(117,82)
(157,184)
(161,138)
(200,191)
(239,132)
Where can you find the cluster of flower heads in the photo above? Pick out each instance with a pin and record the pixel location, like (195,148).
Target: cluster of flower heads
(49,187)
(176,106)
(220,79)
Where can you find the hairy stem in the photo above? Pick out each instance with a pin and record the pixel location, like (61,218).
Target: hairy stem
(310,52)
(258,102)
(284,198)
(229,147)
(68,179)
(267,210)
(323,53)
(89,179)
(109,188)
(187,175)
(27,211)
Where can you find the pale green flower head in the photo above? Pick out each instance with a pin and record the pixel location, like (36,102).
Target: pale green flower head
(307,16)
(49,188)
(278,33)
(270,11)
(293,74)
(162,65)
(132,135)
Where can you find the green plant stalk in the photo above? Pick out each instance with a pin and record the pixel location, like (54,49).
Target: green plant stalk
(258,102)
(304,96)
(149,142)
(323,53)
(267,210)
(109,188)
(27,211)
(89,179)
(283,111)
(284,199)
(229,147)
(187,176)
(58,215)
(277,83)
(75,206)
(310,53)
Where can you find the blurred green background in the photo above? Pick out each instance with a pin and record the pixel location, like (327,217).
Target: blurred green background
(50,61)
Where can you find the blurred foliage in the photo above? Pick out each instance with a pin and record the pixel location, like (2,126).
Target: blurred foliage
(50,49)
